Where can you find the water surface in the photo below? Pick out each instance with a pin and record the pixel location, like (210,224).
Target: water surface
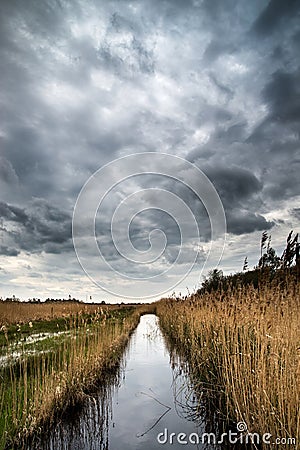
(151,397)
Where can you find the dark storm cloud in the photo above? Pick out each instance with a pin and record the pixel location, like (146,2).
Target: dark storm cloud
(234,184)
(284,186)
(29,158)
(44,131)
(239,191)
(282,94)
(275,14)
(241,222)
(13,213)
(40,227)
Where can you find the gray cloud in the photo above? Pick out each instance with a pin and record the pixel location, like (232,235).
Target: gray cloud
(241,222)
(6,251)
(274,15)
(7,173)
(40,227)
(13,213)
(83,83)
(234,184)
(296,212)
(282,94)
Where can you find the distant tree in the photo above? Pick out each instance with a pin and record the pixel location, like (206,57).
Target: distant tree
(269,258)
(12,299)
(213,280)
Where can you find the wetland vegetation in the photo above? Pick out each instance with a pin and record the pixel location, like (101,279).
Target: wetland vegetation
(50,366)
(237,338)
(240,337)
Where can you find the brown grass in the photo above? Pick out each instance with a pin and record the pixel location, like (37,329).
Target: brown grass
(245,345)
(20,312)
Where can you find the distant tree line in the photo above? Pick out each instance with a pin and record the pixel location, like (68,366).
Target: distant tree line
(48,300)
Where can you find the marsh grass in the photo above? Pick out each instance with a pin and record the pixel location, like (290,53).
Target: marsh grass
(243,349)
(21,313)
(36,388)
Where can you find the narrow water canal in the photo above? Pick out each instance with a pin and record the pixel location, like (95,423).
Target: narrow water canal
(150,400)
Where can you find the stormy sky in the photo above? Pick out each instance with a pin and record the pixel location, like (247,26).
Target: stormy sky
(83,83)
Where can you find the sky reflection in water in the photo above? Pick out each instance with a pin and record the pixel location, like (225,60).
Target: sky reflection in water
(149,398)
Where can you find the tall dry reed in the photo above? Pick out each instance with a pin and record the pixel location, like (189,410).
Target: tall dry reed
(243,347)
